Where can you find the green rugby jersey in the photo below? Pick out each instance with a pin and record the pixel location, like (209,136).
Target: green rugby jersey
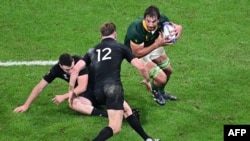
(138,34)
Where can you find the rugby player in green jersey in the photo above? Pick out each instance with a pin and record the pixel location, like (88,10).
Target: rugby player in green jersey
(144,38)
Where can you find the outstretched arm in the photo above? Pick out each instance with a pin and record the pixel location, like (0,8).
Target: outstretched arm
(140,67)
(34,93)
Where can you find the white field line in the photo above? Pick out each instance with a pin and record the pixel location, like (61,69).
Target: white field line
(28,63)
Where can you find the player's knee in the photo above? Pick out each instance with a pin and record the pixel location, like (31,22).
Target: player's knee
(160,80)
(127,112)
(74,103)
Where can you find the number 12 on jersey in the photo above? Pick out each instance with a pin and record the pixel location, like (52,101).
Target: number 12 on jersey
(103,54)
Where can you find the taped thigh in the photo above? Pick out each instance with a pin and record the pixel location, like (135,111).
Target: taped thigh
(154,71)
(164,64)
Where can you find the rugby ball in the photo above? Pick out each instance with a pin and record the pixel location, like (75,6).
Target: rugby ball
(167,32)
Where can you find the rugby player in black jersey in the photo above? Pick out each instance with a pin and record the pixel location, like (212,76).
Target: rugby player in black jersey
(84,103)
(106,59)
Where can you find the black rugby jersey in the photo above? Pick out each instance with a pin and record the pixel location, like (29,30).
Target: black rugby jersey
(57,72)
(106,59)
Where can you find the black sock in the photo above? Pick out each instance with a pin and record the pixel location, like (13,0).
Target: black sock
(105,133)
(136,125)
(98,112)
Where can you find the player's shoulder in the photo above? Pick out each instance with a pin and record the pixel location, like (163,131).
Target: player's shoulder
(136,25)
(163,18)
(122,46)
(76,58)
(91,50)
(55,67)
(136,32)
(55,70)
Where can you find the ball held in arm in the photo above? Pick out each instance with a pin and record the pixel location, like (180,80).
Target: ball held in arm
(168,31)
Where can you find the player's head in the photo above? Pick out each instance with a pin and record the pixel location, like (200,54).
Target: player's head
(108,29)
(151,17)
(66,62)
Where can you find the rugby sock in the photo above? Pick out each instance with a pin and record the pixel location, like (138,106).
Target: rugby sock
(136,125)
(153,85)
(98,112)
(105,133)
(161,89)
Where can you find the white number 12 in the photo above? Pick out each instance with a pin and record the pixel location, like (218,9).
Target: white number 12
(106,52)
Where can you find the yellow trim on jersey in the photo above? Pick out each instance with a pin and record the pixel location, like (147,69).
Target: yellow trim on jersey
(145,26)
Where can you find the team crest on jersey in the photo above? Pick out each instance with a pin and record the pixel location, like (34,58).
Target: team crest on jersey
(146,38)
(65,76)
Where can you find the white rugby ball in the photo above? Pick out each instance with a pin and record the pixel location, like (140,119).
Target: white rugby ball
(167,32)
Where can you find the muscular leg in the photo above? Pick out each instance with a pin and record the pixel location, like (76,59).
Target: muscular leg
(158,80)
(114,127)
(164,63)
(133,121)
(158,76)
(84,106)
(159,73)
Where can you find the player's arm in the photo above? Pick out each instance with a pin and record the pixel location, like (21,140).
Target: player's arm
(82,81)
(58,99)
(144,73)
(82,84)
(73,77)
(139,50)
(34,93)
(74,73)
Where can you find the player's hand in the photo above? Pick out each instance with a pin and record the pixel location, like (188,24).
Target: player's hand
(21,109)
(161,41)
(178,30)
(147,84)
(58,99)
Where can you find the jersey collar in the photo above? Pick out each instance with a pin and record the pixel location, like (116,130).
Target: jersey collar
(145,26)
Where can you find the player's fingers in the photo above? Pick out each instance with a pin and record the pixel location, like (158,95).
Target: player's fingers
(17,110)
(54,100)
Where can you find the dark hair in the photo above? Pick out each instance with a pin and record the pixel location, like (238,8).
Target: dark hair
(152,11)
(65,59)
(107,28)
